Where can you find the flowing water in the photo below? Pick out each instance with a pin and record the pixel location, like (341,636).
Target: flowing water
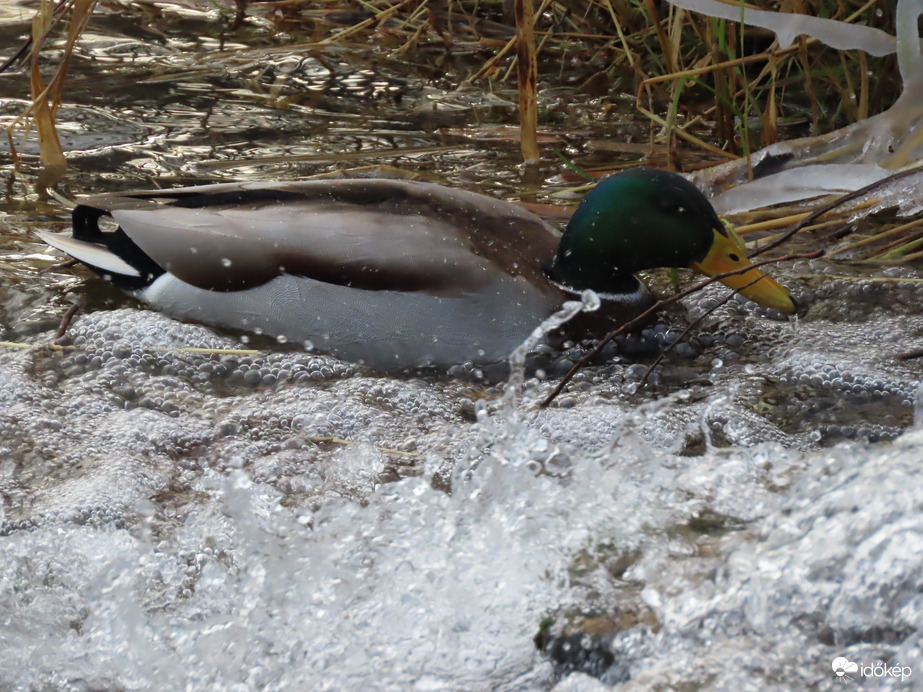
(276,519)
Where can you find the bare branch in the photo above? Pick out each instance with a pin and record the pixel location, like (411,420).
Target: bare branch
(695,323)
(839,201)
(659,305)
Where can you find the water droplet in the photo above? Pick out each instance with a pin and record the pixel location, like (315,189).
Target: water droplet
(225,262)
(590,300)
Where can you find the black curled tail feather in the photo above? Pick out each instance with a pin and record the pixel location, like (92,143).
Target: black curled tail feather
(86,227)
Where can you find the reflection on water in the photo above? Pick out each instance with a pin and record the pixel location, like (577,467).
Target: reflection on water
(277,519)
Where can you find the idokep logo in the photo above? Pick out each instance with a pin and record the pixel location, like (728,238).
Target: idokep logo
(844,669)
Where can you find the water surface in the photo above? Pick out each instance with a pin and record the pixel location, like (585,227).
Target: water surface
(282,520)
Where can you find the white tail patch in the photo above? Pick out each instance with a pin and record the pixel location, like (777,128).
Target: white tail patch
(98,256)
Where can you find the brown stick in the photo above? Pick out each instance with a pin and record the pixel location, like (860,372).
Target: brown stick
(66,321)
(527,72)
(660,304)
(66,264)
(910,355)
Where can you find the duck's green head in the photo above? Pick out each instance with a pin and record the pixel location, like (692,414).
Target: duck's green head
(644,218)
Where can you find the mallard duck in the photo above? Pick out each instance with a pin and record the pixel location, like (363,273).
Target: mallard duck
(396,273)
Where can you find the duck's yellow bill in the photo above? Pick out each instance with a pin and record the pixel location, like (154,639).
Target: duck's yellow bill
(725,256)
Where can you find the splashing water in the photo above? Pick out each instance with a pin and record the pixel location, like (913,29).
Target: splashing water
(282,520)
(589,302)
(204,541)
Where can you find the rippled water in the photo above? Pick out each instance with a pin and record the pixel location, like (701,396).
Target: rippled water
(281,520)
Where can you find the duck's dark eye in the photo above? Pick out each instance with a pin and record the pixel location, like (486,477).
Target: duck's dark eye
(734,258)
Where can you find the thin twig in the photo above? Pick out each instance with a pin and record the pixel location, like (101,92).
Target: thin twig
(66,321)
(66,264)
(660,304)
(318,439)
(833,205)
(910,355)
(59,10)
(21,345)
(685,332)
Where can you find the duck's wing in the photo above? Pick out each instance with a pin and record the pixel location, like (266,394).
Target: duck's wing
(369,234)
